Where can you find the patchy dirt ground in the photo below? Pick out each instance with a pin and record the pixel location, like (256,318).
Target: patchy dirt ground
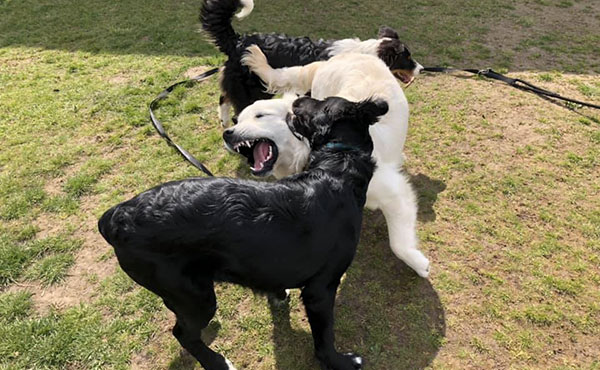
(508,188)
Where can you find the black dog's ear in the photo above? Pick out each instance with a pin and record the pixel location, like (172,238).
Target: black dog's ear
(385,31)
(370,110)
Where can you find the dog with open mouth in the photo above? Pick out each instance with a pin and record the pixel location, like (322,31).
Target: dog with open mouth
(240,87)
(262,136)
(302,231)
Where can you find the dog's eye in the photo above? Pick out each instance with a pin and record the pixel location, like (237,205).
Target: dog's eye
(259,115)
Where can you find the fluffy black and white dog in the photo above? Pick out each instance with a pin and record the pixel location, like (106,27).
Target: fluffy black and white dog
(178,238)
(240,87)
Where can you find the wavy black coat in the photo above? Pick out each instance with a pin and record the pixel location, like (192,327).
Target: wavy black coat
(300,232)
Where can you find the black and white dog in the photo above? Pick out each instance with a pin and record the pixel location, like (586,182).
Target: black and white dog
(240,87)
(302,231)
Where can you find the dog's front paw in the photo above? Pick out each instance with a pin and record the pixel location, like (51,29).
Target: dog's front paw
(416,261)
(254,58)
(346,361)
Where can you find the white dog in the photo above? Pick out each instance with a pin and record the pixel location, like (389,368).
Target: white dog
(263,137)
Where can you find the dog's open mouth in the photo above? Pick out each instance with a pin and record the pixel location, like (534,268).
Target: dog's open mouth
(407,77)
(261,154)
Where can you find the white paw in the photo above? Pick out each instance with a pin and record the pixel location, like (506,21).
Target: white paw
(418,262)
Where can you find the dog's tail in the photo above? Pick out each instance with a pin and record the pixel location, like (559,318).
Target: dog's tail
(216,18)
(106,226)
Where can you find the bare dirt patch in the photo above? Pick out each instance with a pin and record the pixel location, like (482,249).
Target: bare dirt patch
(527,34)
(119,79)
(195,71)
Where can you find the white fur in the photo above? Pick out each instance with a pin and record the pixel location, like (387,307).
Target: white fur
(292,153)
(247,7)
(354,77)
(363,47)
(355,46)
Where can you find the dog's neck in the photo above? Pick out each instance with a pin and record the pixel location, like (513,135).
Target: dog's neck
(351,165)
(354,46)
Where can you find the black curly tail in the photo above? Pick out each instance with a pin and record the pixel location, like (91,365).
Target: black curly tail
(216,16)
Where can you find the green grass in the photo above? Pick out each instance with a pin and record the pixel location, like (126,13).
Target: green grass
(15,306)
(507,186)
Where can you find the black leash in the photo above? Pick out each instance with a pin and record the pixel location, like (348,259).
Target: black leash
(489,73)
(514,82)
(161,130)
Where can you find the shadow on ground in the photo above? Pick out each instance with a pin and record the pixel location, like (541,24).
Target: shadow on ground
(384,312)
(427,190)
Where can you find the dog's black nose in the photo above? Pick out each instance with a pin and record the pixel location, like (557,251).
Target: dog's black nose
(227,134)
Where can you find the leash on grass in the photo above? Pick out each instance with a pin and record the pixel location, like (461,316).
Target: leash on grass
(161,130)
(489,73)
(514,82)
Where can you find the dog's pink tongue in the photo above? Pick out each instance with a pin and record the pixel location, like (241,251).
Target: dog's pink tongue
(261,152)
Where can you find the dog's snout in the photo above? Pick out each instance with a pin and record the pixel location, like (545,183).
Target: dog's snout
(227,134)
(418,69)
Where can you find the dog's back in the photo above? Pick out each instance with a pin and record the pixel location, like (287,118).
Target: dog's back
(240,231)
(360,76)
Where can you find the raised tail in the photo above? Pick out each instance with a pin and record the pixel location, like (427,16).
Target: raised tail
(216,18)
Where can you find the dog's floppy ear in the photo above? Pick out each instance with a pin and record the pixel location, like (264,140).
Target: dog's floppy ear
(385,31)
(389,50)
(371,109)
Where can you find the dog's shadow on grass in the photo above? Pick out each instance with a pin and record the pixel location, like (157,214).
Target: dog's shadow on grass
(427,190)
(384,312)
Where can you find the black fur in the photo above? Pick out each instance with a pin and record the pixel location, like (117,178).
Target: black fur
(300,232)
(239,86)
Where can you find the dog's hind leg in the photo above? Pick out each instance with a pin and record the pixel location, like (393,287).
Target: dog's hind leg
(278,298)
(319,300)
(390,191)
(194,306)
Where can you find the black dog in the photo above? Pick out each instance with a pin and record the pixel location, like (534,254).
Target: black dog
(300,232)
(240,87)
